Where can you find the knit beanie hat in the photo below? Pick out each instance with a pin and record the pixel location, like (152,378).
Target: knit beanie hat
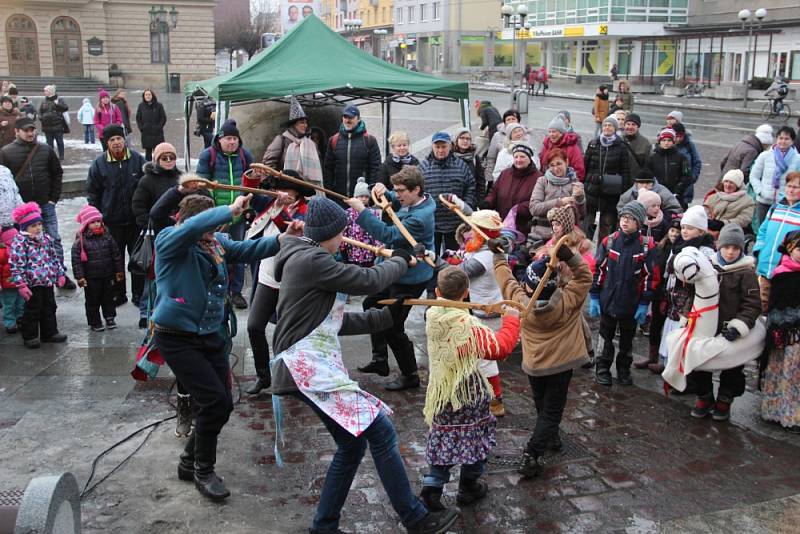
(645,176)
(50,88)
(634,118)
(612,121)
(163,148)
(564,215)
(565,114)
(461,131)
(695,216)
(27,214)
(648,198)
(361,189)
(558,124)
(666,133)
(731,234)
(511,127)
(634,209)
(534,274)
(324,219)
(790,242)
(525,149)
(764,134)
(229,128)
(675,114)
(8,235)
(87,216)
(113,130)
(102,93)
(734,176)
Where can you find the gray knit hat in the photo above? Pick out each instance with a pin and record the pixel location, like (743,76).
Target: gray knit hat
(558,124)
(612,121)
(731,234)
(634,209)
(361,189)
(324,219)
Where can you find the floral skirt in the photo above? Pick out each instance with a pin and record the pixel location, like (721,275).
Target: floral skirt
(781,387)
(465,436)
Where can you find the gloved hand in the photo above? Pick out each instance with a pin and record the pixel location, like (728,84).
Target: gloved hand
(402,253)
(460,204)
(641,314)
(715,225)
(419,250)
(60,281)
(81,282)
(25,292)
(594,307)
(498,245)
(731,334)
(564,253)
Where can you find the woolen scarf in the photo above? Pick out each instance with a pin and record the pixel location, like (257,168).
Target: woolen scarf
(302,156)
(607,140)
(405,160)
(559,181)
(780,164)
(653,222)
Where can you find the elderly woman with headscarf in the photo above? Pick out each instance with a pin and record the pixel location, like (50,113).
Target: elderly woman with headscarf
(294,149)
(516,133)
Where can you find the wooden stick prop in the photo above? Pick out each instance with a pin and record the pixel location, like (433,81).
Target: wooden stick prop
(386,206)
(551,265)
(455,209)
(494,307)
(278,174)
(378,251)
(208,184)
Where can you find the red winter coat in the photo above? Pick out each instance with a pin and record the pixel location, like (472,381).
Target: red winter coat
(5,268)
(514,189)
(569,144)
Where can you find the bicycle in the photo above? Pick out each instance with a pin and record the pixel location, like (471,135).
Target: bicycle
(694,89)
(768,111)
(480,77)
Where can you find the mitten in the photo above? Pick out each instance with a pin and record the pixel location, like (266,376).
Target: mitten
(594,307)
(641,314)
(25,292)
(60,281)
(731,334)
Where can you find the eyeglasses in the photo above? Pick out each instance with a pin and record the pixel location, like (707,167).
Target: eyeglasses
(168,158)
(400,190)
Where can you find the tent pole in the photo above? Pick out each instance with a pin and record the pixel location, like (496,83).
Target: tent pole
(387,124)
(187,115)
(465,113)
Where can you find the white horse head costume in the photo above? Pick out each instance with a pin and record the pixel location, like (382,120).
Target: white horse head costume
(694,347)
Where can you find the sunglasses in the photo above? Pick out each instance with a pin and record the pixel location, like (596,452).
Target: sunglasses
(167,158)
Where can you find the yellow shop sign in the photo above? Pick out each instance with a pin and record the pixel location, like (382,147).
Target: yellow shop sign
(573,31)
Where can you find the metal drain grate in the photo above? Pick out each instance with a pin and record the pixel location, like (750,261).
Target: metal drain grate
(570,452)
(11,497)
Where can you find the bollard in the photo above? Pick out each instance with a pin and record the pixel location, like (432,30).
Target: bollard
(50,505)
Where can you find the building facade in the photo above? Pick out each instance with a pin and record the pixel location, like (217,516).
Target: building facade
(49,38)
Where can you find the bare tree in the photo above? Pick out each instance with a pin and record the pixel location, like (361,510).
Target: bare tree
(262,23)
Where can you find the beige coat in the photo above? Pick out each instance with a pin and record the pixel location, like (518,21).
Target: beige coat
(738,210)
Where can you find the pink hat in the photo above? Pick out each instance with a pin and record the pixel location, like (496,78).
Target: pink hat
(8,234)
(648,198)
(102,93)
(27,214)
(88,215)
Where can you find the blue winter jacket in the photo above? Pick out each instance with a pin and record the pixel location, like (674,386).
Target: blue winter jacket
(625,275)
(418,220)
(450,175)
(780,220)
(191,287)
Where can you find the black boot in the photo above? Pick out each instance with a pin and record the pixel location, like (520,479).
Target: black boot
(471,490)
(532,465)
(624,361)
(432,497)
(403,382)
(378,367)
(205,479)
(602,373)
(264,381)
(186,463)
(434,522)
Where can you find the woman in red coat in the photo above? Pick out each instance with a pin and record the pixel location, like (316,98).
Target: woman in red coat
(512,190)
(559,137)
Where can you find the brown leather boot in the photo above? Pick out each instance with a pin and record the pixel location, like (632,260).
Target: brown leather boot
(652,357)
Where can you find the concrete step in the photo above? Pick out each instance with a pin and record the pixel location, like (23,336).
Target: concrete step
(28,85)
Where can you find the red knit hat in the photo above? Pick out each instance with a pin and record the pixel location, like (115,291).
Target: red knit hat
(27,214)
(87,216)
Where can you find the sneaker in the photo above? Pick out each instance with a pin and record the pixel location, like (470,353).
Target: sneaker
(111,323)
(497,408)
(702,408)
(68,283)
(143,322)
(402,382)
(58,338)
(33,343)
(721,410)
(97,327)
(238,301)
(531,466)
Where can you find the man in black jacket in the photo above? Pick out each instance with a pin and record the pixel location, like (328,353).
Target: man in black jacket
(51,113)
(112,180)
(352,152)
(40,180)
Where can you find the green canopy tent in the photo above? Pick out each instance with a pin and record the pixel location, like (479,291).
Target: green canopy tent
(319,67)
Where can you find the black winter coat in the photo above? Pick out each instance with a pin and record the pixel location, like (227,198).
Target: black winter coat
(475,163)
(155,182)
(389,167)
(150,119)
(111,184)
(355,154)
(490,118)
(600,160)
(104,259)
(42,181)
(51,113)
(671,169)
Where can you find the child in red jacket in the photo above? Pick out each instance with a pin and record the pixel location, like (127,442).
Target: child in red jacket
(13,303)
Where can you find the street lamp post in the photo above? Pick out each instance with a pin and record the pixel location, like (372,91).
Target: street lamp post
(159,24)
(352,26)
(749,20)
(515,21)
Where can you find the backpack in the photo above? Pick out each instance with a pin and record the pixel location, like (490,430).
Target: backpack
(369,140)
(642,241)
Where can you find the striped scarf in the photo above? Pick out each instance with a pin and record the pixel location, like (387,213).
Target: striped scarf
(302,156)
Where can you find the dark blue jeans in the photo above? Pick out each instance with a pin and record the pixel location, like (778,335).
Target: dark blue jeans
(382,440)
(56,139)
(439,475)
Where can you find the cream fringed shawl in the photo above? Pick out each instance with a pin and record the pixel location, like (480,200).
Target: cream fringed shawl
(453,353)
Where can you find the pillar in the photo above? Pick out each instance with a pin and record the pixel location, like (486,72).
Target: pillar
(578,60)
(613,52)
(548,53)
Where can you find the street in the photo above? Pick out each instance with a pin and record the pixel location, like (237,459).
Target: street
(634,460)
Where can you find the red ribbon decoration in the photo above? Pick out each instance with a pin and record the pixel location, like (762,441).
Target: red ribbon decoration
(693,315)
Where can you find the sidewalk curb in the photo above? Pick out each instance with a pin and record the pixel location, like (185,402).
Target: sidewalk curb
(678,104)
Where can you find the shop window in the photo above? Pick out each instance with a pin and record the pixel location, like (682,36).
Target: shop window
(503,52)
(794,66)
(472,51)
